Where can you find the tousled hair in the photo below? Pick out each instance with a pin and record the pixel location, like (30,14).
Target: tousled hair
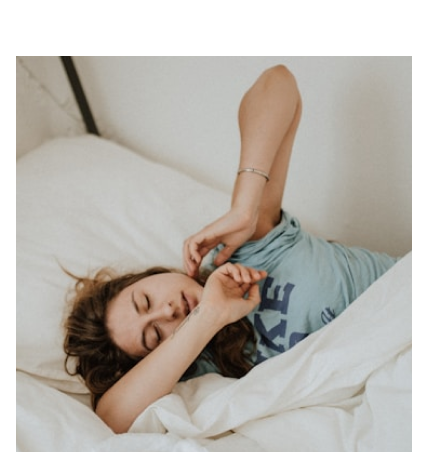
(101,363)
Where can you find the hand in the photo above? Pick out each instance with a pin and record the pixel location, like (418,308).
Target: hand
(232,230)
(231,292)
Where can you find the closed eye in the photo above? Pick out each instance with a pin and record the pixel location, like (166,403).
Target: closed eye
(144,341)
(151,337)
(158,333)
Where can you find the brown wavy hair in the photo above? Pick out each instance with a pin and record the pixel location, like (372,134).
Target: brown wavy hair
(101,363)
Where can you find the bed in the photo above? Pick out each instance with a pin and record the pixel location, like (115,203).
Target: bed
(84,202)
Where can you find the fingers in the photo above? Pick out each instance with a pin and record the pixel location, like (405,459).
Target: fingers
(242,274)
(194,250)
(191,258)
(233,290)
(191,265)
(254,294)
(247,279)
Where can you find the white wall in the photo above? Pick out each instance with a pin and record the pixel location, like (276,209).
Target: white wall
(350,176)
(45,106)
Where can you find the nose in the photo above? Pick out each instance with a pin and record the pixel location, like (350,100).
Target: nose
(166,311)
(166,319)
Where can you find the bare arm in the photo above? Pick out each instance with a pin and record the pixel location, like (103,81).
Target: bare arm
(269,115)
(154,376)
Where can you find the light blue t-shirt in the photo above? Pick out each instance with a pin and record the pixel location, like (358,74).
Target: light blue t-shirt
(310,282)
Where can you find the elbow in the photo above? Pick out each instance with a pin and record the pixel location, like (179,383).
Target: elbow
(279,71)
(117,426)
(280,78)
(280,74)
(120,430)
(116,422)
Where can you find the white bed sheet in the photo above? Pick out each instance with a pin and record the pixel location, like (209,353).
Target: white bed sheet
(344,388)
(86,202)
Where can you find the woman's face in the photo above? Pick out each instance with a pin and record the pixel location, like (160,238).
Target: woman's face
(144,314)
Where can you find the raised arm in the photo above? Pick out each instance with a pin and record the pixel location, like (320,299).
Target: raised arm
(269,115)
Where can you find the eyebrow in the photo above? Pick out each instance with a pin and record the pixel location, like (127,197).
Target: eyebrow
(135,303)
(143,335)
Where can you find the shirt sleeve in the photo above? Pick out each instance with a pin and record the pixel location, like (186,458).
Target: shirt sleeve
(204,365)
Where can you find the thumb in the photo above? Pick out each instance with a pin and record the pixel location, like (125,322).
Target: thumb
(224,255)
(254,294)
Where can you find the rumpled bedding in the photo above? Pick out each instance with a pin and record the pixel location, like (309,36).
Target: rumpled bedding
(347,387)
(84,203)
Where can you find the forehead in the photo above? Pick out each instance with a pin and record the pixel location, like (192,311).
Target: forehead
(121,317)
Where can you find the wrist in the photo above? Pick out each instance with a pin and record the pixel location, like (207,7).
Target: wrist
(210,316)
(247,194)
(255,171)
(248,217)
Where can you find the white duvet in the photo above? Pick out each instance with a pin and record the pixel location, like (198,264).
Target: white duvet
(345,388)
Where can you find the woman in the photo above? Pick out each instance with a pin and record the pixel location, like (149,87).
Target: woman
(136,336)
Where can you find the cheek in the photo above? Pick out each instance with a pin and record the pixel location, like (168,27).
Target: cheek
(197,289)
(169,328)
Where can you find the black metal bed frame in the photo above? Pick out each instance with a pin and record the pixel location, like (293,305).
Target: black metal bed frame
(80,96)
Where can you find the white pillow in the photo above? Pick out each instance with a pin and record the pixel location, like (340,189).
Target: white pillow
(84,203)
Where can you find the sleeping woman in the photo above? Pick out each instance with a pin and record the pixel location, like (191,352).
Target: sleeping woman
(134,336)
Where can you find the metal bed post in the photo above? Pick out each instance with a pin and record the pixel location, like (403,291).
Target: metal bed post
(79,94)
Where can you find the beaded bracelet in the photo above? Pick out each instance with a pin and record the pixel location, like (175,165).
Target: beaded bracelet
(255,171)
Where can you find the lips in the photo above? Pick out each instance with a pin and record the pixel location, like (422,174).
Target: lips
(185,304)
(189,303)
